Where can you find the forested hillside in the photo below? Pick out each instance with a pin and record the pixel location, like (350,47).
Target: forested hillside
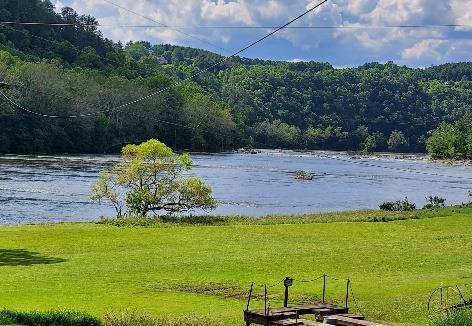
(241,102)
(375,107)
(73,71)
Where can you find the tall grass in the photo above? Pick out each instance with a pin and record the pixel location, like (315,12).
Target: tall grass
(135,318)
(352,216)
(49,318)
(459,317)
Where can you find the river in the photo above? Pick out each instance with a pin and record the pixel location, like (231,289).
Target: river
(43,189)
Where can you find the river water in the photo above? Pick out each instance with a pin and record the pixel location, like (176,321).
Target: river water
(40,189)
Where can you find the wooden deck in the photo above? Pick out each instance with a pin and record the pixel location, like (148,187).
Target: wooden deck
(279,315)
(324,314)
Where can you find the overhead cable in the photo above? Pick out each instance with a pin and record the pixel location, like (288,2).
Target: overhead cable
(164,25)
(122,106)
(232,27)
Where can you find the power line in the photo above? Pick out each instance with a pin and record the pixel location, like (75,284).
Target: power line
(122,106)
(164,25)
(335,158)
(234,27)
(39,114)
(15,104)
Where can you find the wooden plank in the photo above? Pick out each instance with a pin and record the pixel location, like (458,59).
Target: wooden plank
(296,322)
(289,315)
(287,322)
(346,321)
(353,316)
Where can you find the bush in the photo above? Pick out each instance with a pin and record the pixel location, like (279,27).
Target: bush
(434,202)
(399,205)
(49,318)
(135,318)
(453,318)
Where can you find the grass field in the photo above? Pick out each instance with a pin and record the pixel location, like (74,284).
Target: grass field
(206,270)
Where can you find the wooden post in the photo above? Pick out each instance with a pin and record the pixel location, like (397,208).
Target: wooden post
(249,297)
(324,287)
(287,283)
(347,293)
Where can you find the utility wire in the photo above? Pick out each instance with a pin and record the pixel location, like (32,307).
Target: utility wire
(362,163)
(164,25)
(234,27)
(122,106)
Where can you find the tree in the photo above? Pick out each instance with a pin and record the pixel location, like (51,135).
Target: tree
(397,141)
(369,145)
(451,141)
(444,142)
(149,178)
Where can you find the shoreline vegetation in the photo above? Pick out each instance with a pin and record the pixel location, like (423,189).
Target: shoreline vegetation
(204,266)
(368,215)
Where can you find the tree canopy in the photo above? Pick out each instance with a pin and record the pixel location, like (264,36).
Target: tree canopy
(150,178)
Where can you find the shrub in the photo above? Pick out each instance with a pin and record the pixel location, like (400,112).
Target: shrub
(434,202)
(134,318)
(399,205)
(49,318)
(453,318)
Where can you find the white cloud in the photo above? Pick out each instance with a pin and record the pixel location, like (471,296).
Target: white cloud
(58,5)
(339,46)
(426,49)
(222,11)
(462,10)
(296,60)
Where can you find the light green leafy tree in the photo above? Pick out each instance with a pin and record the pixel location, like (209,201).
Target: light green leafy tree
(444,142)
(150,179)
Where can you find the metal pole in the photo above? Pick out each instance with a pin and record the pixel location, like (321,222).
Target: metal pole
(324,287)
(441,297)
(265,304)
(347,293)
(460,293)
(250,295)
(265,300)
(286,296)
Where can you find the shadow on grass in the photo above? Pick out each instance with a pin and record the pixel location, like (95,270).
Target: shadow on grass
(23,257)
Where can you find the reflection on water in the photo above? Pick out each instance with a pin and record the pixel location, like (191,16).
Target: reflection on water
(35,189)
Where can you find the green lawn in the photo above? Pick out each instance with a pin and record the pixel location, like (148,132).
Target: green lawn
(204,269)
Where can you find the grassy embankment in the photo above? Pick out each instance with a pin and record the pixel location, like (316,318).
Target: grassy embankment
(207,269)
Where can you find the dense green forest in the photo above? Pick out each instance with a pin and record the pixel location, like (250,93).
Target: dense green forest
(73,70)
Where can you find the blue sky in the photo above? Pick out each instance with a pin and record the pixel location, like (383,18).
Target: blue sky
(340,47)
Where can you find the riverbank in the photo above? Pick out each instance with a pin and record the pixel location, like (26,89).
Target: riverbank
(207,269)
(372,215)
(55,189)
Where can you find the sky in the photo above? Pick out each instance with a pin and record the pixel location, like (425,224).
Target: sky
(364,38)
